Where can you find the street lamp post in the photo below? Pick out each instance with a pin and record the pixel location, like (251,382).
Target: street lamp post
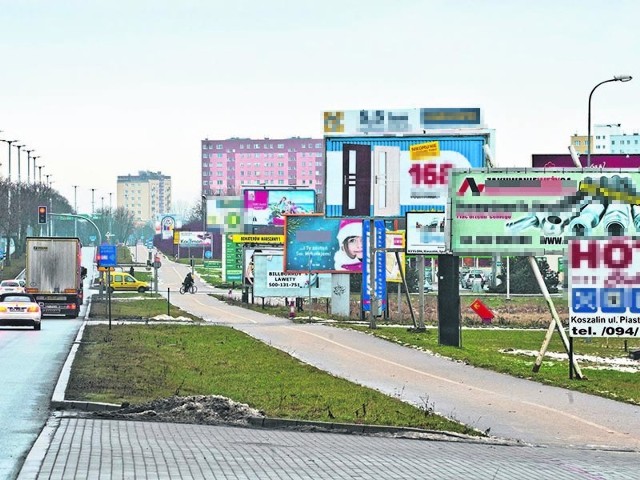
(29,162)
(9,142)
(617,78)
(47,177)
(34,167)
(40,174)
(93,203)
(19,147)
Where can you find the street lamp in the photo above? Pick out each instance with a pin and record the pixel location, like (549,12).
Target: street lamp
(9,142)
(34,167)
(617,78)
(29,162)
(19,147)
(40,174)
(48,181)
(93,203)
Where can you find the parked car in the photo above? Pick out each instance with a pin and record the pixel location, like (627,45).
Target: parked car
(20,309)
(11,286)
(469,278)
(124,282)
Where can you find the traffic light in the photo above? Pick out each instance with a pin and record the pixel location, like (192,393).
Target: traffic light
(42,214)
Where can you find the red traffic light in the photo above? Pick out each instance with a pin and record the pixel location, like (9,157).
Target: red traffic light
(42,214)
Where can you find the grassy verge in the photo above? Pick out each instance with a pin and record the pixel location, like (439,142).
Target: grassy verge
(137,363)
(489,348)
(129,306)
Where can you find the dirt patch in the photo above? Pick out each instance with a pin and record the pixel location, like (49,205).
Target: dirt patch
(198,409)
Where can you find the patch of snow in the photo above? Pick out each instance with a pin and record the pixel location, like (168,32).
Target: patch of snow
(621,364)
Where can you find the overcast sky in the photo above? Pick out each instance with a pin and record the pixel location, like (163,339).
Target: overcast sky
(107,88)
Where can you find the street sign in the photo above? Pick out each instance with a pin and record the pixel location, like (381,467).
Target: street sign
(107,256)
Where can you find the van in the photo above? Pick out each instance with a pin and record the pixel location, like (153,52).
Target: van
(126,282)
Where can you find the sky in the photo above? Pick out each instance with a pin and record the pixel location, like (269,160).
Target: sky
(100,89)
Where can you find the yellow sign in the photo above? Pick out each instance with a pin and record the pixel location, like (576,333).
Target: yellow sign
(333,122)
(106,269)
(176,237)
(265,239)
(422,151)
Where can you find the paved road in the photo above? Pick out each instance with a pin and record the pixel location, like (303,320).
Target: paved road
(509,407)
(30,363)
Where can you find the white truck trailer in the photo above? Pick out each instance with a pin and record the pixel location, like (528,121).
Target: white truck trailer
(54,274)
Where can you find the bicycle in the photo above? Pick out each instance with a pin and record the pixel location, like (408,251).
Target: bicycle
(192,289)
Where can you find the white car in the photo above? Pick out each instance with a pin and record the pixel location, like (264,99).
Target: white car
(11,286)
(20,309)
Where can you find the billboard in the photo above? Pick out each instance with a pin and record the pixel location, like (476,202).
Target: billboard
(379,265)
(604,287)
(319,244)
(270,280)
(268,207)
(535,212)
(225,214)
(387,176)
(399,120)
(425,233)
(599,160)
(395,239)
(194,239)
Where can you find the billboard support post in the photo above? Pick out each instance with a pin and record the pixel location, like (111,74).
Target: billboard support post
(449,301)
(421,290)
(555,321)
(406,288)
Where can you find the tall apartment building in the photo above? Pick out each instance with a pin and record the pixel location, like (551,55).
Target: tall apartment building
(230,165)
(146,195)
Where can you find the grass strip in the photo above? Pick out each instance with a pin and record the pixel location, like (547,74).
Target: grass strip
(489,349)
(139,363)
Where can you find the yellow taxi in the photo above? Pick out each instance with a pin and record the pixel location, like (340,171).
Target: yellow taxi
(124,282)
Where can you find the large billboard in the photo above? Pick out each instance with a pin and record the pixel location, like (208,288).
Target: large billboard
(270,280)
(194,239)
(604,287)
(319,244)
(225,214)
(268,207)
(535,212)
(600,160)
(399,120)
(386,176)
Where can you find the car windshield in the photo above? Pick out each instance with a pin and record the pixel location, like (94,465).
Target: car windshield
(17,298)
(9,283)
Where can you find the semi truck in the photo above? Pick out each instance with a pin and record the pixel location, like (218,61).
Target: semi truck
(54,274)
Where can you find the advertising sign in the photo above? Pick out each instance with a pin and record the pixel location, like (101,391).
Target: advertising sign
(394,239)
(225,214)
(599,160)
(425,233)
(167,224)
(262,239)
(232,258)
(327,244)
(268,207)
(380,281)
(535,212)
(407,120)
(604,287)
(270,280)
(387,176)
(195,239)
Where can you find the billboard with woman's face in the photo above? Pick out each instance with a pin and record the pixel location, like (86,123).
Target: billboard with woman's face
(319,244)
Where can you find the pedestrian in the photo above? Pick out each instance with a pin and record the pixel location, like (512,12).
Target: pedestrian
(132,271)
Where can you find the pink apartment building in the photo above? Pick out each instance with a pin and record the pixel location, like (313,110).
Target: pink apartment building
(230,165)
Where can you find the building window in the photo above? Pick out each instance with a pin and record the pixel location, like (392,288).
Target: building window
(613,142)
(318,145)
(281,145)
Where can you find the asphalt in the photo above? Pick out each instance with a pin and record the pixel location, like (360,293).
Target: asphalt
(591,437)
